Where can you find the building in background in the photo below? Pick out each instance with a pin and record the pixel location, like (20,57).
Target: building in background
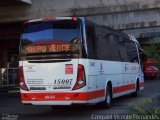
(139,18)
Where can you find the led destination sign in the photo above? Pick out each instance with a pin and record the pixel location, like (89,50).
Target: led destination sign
(48,48)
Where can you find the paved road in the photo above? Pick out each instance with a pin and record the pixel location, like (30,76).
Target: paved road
(11,106)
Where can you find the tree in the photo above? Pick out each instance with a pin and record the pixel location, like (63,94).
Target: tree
(152,51)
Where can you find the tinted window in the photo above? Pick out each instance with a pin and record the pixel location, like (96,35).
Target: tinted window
(123,49)
(106,44)
(65,31)
(102,44)
(115,47)
(131,51)
(91,42)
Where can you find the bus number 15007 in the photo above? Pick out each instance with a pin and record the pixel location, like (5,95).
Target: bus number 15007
(63,81)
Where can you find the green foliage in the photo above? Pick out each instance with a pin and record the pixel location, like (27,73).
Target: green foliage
(145,101)
(142,110)
(152,50)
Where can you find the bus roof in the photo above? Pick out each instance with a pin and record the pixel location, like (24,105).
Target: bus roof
(54,18)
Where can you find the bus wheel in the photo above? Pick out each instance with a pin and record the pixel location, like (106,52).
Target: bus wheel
(134,94)
(108,99)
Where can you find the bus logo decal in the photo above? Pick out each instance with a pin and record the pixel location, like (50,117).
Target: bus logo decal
(126,67)
(101,69)
(69,69)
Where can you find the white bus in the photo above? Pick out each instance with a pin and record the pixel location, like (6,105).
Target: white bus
(70,60)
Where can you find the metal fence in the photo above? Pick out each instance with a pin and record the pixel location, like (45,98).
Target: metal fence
(9,77)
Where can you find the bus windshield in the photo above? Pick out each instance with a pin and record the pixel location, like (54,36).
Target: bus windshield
(53,39)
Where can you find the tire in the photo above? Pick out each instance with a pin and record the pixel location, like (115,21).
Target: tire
(108,98)
(134,94)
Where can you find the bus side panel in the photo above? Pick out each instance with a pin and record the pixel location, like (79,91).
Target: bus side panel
(111,71)
(96,82)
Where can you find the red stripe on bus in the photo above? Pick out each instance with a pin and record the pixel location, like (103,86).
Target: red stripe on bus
(126,88)
(62,96)
(81,96)
(123,88)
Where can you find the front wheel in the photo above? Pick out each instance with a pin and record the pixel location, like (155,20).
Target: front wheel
(134,94)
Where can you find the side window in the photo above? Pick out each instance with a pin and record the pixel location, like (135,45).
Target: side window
(107,47)
(105,44)
(98,43)
(102,44)
(114,47)
(132,51)
(91,41)
(123,49)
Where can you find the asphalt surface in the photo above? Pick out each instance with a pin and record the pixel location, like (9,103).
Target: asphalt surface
(12,109)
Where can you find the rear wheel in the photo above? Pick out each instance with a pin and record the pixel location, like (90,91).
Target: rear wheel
(108,98)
